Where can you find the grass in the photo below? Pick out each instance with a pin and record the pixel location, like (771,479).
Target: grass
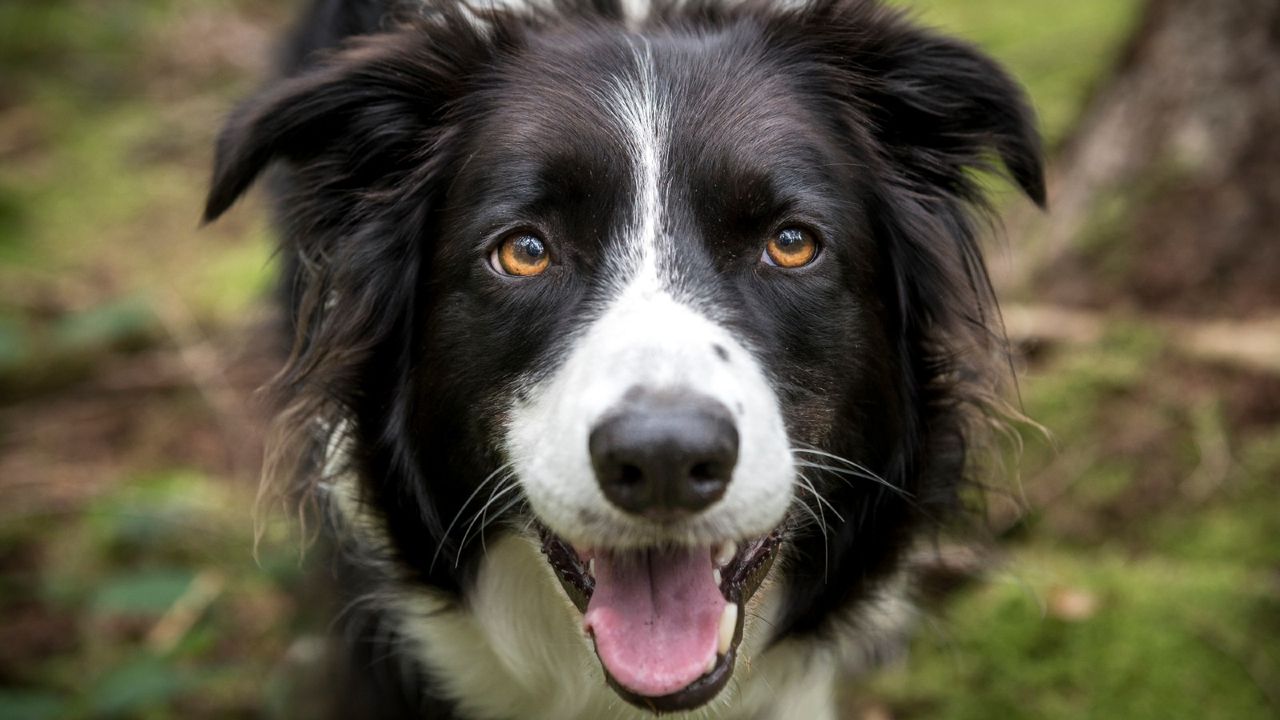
(1142,584)
(1107,635)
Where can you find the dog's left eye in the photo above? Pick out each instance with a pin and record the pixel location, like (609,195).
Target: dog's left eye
(789,248)
(521,254)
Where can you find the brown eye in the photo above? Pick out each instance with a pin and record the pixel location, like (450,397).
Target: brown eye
(790,248)
(521,254)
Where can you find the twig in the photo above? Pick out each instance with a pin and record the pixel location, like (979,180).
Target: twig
(208,375)
(185,611)
(1244,344)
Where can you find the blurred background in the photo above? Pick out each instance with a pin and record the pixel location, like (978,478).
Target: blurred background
(1136,572)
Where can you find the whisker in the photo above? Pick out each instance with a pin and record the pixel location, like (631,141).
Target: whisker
(842,470)
(859,472)
(837,458)
(499,491)
(855,470)
(444,538)
(808,485)
(484,512)
(511,504)
(821,518)
(813,515)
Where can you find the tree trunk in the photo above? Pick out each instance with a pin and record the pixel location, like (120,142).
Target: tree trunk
(1167,197)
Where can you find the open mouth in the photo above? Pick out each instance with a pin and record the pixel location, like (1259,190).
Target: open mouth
(666,622)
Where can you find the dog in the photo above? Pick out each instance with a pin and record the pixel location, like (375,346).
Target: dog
(636,347)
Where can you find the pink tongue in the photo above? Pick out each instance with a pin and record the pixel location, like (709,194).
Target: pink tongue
(655,616)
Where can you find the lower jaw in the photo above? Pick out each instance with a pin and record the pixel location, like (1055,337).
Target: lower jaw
(692,696)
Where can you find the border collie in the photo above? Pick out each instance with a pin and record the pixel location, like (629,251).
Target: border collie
(636,347)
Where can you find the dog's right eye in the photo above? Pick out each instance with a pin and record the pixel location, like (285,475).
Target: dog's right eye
(790,248)
(521,254)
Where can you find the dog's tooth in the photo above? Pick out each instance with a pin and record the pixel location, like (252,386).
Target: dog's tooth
(711,664)
(715,575)
(728,624)
(591,567)
(725,552)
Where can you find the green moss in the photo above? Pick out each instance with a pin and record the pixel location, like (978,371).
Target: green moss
(1241,521)
(104,197)
(1067,396)
(1164,641)
(1187,608)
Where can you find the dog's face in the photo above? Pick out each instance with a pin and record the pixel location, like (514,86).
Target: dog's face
(619,234)
(675,301)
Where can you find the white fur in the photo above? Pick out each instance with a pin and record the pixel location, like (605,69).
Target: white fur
(647,336)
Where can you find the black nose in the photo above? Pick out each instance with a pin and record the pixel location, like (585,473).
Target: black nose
(665,455)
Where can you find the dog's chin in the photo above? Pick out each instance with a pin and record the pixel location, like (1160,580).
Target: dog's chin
(666,622)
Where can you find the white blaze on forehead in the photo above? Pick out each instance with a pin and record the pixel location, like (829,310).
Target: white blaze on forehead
(480,13)
(635,12)
(643,122)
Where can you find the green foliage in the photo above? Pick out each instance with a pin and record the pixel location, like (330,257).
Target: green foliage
(146,593)
(136,686)
(123,565)
(110,323)
(31,705)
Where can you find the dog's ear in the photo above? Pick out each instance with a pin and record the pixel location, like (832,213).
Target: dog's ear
(368,113)
(947,105)
(941,107)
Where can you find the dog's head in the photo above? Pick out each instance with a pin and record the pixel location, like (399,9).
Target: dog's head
(674,297)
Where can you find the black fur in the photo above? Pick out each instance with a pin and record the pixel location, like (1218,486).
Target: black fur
(402,149)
